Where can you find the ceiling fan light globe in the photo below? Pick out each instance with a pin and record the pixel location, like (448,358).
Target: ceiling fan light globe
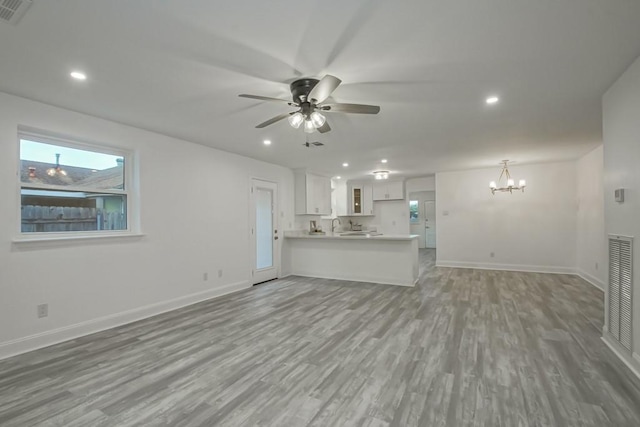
(309,127)
(295,120)
(317,119)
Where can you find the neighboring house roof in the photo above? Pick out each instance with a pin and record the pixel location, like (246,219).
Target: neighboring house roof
(112,178)
(36,173)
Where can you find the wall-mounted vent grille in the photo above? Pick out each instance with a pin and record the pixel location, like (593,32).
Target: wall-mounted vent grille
(620,289)
(12,10)
(314,144)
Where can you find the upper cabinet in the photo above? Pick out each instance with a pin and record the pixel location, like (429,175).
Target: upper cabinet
(390,190)
(313,194)
(360,200)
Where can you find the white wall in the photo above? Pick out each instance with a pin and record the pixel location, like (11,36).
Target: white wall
(194,213)
(534,231)
(590,239)
(391,217)
(621,119)
(423,183)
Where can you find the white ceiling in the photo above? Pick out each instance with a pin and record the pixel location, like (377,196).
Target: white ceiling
(176,67)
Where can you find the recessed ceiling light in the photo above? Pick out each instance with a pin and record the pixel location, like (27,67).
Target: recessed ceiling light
(384,160)
(78,75)
(338,177)
(267,142)
(492,100)
(345,164)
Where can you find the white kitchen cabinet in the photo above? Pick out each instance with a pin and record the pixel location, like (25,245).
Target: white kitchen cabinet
(392,190)
(312,194)
(360,201)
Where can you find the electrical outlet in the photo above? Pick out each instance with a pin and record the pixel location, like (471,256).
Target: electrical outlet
(492,254)
(205,276)
(43,310)
(220,273)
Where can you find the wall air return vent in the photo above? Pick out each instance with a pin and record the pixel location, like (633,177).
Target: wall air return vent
(620,289)
(12,10)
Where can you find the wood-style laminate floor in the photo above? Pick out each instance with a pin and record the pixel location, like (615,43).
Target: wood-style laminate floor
(463,348)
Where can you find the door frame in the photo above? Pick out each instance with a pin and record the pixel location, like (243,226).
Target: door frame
(273,185)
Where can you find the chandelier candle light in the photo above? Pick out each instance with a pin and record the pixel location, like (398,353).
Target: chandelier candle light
(510,181)
(57,170)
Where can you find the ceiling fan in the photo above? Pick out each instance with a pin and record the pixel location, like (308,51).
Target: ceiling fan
(308,96)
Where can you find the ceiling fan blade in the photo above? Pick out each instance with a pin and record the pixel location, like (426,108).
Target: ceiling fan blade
(352,108)
(264,98)
(273,120)
(324,88)
(324,128)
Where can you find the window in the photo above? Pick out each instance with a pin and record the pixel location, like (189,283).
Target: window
(71,187)
(413,211)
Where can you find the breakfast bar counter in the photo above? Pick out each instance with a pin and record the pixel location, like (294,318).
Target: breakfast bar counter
(362,257)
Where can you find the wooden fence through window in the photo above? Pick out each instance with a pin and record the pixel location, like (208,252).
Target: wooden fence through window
(58,218)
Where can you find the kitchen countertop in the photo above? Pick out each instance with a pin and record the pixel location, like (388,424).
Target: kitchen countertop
(337,236)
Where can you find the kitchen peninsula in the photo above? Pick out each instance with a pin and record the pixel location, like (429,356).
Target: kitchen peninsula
(386,259)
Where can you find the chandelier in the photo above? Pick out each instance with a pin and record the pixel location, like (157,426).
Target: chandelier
(511,185)
(57,170)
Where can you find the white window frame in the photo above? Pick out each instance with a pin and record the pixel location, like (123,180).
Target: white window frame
(130,180)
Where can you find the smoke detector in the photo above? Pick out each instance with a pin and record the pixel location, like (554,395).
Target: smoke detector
(12,10)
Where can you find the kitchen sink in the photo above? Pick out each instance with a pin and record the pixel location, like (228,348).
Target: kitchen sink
(361,233)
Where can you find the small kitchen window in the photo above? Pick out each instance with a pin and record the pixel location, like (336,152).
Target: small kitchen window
(69,188)
(414,211)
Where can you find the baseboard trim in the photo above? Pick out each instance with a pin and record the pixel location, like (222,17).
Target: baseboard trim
(375,280)
(507,267)
(591,279)
(66,333)
(633,362)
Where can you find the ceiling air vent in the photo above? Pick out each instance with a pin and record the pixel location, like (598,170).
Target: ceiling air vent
(12,10)
(315,144)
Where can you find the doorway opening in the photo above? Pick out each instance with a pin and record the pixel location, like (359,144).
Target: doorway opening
(422,217)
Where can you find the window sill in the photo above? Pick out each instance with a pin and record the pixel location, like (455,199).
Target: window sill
(58,240)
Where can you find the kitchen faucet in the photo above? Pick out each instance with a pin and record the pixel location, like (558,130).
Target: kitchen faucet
(333,228)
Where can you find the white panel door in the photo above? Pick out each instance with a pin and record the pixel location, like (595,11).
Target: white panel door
(430,223)
(264,230)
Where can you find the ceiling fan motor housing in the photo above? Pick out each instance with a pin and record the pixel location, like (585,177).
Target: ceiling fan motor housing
(300,89)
